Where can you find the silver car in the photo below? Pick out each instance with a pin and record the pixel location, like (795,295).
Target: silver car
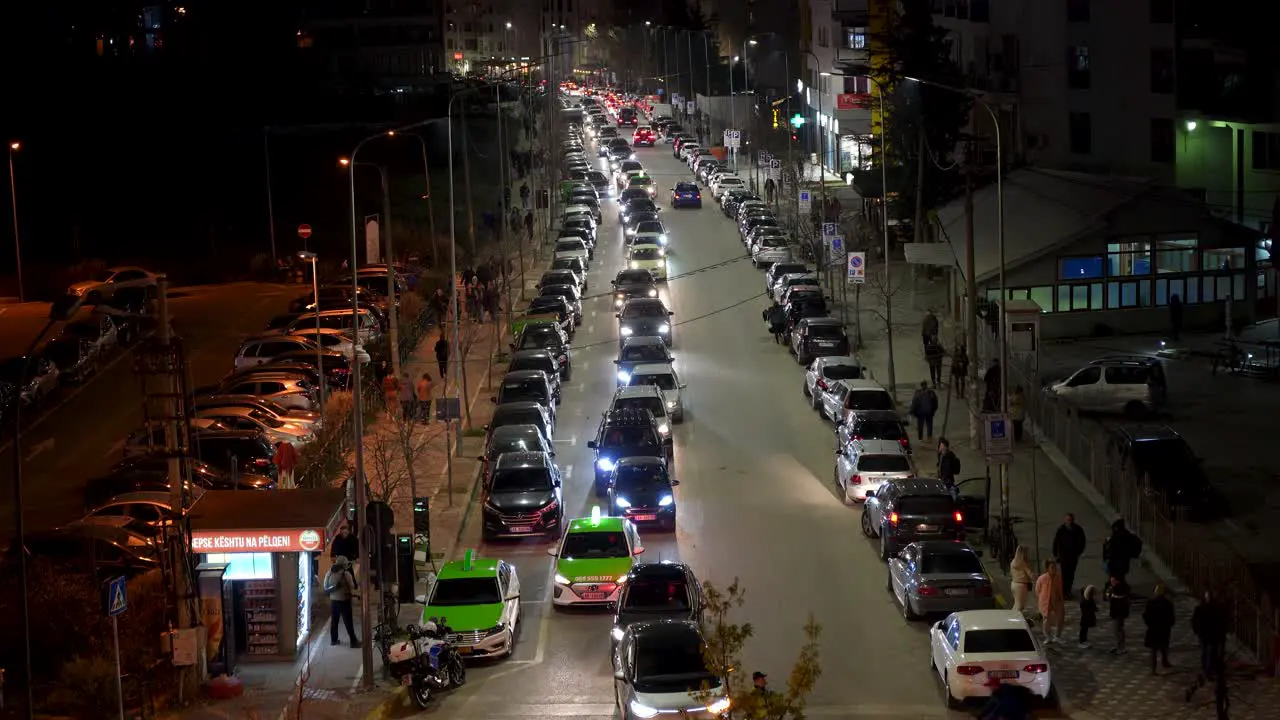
(239,418)
(824,371)
(287,389)
(105,283)
(664,376)
(939,576)
(769,249)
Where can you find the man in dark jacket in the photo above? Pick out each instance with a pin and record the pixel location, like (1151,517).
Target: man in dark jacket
(924,405)
(1209,623)
(1117,597)
(1158,616)
(1069,544)
(442,358)
(1120,550)
(776,316)
(948,464)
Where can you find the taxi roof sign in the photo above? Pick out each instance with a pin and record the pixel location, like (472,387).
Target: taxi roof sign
(595,515)
(469,560)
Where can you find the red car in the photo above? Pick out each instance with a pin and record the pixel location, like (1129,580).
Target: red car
(643,136)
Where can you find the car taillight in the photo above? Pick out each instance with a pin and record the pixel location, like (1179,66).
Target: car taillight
(893,518)
(983,591)
(822,383)
(698,196)
(904,442)
(926,591)
(968,669)
(261,462)
(1036,668)
(857,437)
(857,480)
(959,517)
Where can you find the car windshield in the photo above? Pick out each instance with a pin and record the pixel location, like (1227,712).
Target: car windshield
(466,591)
(671,667)
(527,389)
(826,331)
(642,205)
(266,419)
(559,278)
(869,400)
(630,436)
(951,563)
(927,505)
(644,479)
(559,291)
(594,545)
(666,381)
(780,269)
(884,463)
(650,403)
(63,352)
(103,275)
(502,416)
(569,263)
(879,430)
(539,337)
(773,241)
(644,353)
(521,480)
(570,246)
(686,187)
(637,218)
(842,372)
(634,276)
(515,444)
(649,226)
(998,641)
(643,309)
(646,253)
(656,595)
(596,176)
(630,165)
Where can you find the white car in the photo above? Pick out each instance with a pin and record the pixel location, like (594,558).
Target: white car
(724,183)
(824,371)
(864,465)
(687,149)
(970,649)
(332,339)
(570,246)
(770,249)
(105,283)
(648,256)
(851,396)
(240,418)
(664,376)
(646,238)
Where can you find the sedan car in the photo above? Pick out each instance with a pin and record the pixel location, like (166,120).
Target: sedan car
(974,649)
(641,490)
(100,330)
(105,283)
(664,377)
(75,359)
(939,576)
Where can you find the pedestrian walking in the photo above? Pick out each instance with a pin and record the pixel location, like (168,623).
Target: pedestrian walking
(1088,613)
(1069,543)
(422,393)
(1120,550)
(948,464)
(1209,623)
(391,391)
(439,304)
(776,317)
(1021,578)
(442,360)
(339,585)
(991,388)
(769,188)
(1175,316)
(528,225)
(1049,601)
(933,355)
(492,301)
(1017,411)
(408,402)
(959,370)
(1159,618)
(924,405)
(929,328)
(524,195)
(285,459)
(1117,597)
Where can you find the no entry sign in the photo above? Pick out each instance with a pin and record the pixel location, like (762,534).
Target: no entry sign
(304,231)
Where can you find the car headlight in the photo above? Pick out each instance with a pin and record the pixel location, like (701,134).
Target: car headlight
(720,706)
(622,502)
(633,156)
(641,710)
(626,331)
(606,464)
(664,328)
(635,265)
(662,262)
(664,429)
(561,580)
(671,404)
(624,377)
(662,239)
(495,630)
(653,293)
(616,633)
(662,252)
(666,500)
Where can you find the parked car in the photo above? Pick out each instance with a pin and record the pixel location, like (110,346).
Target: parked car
(76,359)
(105,283)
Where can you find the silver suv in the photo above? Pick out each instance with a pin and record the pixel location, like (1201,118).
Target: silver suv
(1131,384)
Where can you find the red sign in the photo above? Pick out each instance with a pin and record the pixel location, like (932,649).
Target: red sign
(852,101)
(304,231)
(257,541)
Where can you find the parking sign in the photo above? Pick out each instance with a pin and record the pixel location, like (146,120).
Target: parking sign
(828,229)
(857,273)
(804,199)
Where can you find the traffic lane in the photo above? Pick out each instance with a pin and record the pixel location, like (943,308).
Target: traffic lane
(758,501)
(83,435)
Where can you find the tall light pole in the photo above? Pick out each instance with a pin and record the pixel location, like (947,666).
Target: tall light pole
(271,206)
(393,310)
(733,111)
(14,147)
(315,299)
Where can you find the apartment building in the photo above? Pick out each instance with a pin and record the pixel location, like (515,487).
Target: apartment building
(385,46)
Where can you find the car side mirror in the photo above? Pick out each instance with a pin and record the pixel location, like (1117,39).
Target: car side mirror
(515,596)
(591,444)
(840,452)
(482,458)
(683,385)
(552,454)
(619,675)
(638,551)
(938,626)
(669,313)
(553,552)
(617,362)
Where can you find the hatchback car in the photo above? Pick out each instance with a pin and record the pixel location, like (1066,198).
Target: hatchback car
(286,389)
(686,194)
(845,397)
(1133,385)
(639,350)
(939,576)
(824,371)
(521,496)
(863,465)
(662,376)
(905,511)
(659,670)
(259,350)
(876,425)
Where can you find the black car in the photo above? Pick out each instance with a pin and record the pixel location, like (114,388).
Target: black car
(520,413)
(563,276)
(554,305)
(580,227)
(657,591)
(640,350)
(632,194)
(733,199)
(641,490)
(1161,457)
(623,433)
(76,359)
(635,219)
(521,496)
(242,450)
(538,360)
(104,551)
(527,386)
(633,276)
(600,182)
(545,336)
(629,291)
(638,205)
(515,439)
(815,337)
(335,365)
(875,424)
(569,293)
(804,307)
(901,512)
(644,317)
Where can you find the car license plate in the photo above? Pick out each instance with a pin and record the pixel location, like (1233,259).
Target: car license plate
(956,592)
(407,680)
(642,518)
(522,529)
(464,650)
(927,528)
(1003,674)
(594,595)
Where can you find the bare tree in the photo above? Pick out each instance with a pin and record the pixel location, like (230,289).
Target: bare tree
(384,467)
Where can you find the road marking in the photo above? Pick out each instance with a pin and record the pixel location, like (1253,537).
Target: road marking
(571,440)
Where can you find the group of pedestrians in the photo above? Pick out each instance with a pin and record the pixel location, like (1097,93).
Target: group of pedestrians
(411,398)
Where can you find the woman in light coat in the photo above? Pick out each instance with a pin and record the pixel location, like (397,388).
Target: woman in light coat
(1022,576)
(1049,600)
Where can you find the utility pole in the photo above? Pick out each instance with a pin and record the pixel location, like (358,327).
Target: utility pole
(918,229)
(271,208)
(504,185)
(466,179)
(393,309)
(970,293)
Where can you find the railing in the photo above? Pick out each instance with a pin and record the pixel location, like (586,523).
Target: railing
(1189,549)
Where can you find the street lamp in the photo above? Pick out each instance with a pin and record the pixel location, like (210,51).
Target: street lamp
(310,257)
(393,310)
(15,146)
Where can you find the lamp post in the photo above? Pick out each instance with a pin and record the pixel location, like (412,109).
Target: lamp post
(14,147)
(733,111)
(393,310)
(310,257)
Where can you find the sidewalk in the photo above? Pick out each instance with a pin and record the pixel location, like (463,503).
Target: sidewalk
(1042,488)
(324,683)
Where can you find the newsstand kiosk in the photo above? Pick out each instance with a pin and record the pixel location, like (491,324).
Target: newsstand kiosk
(255,571)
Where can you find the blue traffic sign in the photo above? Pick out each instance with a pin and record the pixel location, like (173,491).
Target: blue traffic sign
(998,430)
(837,245)
(804,197)
(829,228)
(115,597)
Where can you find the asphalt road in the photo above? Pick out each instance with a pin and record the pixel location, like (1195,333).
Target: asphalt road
(756,502)
(82,431)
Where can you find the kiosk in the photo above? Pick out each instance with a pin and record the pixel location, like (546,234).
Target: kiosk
(256,573)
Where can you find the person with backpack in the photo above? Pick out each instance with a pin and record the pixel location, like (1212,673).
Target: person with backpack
(924,405)
(948,464)
(1120,550)
(339,585)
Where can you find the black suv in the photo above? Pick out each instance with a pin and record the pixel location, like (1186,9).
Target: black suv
(656,591)
(1163,457)
(538,360)
(522,496)
(876,425)
(641,491)
(622,434)
(816,337)
(547,336)
(904,511)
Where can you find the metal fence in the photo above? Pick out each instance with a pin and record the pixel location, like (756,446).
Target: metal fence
(1189,549)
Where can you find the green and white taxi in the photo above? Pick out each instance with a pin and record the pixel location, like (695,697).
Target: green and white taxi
(593,558)
(479,600)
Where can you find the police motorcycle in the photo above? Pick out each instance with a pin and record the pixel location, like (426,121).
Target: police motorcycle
(426,663)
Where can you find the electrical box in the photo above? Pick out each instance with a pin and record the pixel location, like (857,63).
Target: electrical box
(1023,318)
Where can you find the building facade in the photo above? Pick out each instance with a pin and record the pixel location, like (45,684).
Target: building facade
(382,46)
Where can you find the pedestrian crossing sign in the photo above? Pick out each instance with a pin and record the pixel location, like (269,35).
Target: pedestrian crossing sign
(115,597)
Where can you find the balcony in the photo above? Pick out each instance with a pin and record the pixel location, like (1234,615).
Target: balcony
(847,58)
(851,12)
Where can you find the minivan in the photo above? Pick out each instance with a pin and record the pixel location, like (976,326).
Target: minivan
(1133,385)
